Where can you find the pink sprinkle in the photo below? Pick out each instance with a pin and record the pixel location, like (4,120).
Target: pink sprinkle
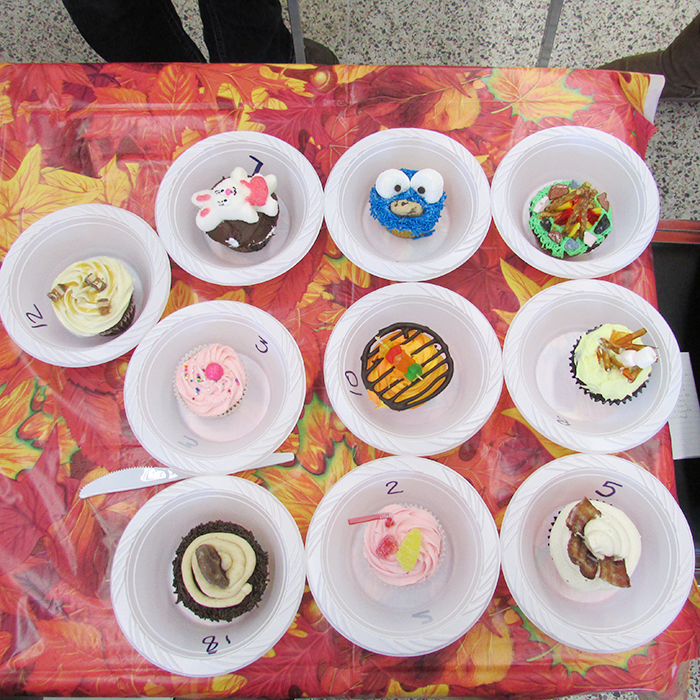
(214,371)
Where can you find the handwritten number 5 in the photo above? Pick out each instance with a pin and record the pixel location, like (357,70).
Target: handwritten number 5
(610,485)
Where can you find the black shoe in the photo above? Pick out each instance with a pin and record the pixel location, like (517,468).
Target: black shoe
(319,54)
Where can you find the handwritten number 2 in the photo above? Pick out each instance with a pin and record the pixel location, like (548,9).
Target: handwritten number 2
(265,348)
(392,487)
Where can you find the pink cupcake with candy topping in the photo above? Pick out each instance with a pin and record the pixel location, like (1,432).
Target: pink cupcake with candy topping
(211,380)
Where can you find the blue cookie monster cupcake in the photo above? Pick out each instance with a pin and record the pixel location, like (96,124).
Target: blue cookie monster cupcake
(408,203)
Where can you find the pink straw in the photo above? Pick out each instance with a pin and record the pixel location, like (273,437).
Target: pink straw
(368,518)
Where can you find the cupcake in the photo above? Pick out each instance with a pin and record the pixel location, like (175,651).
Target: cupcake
(405,365)
(611,364)
(94,297)
(408,203)
(403,548)
(219,571)
(594,546)
(569,219)
(211,380)
(240,212)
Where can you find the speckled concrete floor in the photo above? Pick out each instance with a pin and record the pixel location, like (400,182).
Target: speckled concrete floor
(506,32)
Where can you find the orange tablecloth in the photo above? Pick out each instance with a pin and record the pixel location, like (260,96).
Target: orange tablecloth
(72,134)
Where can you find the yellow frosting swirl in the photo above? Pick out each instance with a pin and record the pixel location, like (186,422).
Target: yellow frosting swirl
(91,296)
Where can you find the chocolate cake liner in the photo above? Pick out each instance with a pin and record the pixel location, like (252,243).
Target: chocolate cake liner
(598,397)
(258,580)
(123,323)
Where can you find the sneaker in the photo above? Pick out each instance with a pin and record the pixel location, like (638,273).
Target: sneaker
(319,54)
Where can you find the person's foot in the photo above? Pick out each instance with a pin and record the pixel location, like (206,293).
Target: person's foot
(653,63)
(319,54)
(679,64)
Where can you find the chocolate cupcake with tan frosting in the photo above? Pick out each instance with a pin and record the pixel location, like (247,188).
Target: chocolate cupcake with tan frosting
(94,297)
(220,571)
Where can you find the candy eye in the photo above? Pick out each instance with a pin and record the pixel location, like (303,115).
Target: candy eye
(391,182)
(429,184)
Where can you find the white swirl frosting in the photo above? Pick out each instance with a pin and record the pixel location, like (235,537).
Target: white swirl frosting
(91,296)
(612,534)
(610,384)
(237,559)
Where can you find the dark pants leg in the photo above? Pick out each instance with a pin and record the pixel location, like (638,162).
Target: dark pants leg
(235,31)
(133,30)
(245,31)
(679,63)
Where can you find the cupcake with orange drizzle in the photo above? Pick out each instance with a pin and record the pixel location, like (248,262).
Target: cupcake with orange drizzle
(405,365)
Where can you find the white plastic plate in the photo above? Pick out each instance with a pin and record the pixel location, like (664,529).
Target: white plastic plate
(164,631)
(462,227)
(409,620)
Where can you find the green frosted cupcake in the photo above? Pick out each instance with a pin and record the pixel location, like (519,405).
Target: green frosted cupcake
(569,219)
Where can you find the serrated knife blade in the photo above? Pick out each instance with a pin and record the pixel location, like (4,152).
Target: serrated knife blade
(138,477)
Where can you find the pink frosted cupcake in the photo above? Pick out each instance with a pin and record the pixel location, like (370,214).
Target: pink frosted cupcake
(405,547)
(211,381)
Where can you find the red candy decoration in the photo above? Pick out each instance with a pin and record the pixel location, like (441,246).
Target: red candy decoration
(389,545)
(214,371)
(258,191)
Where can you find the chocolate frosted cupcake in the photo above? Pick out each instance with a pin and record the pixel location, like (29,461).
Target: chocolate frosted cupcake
(611,364)
(569,219)
(220,571)
(94,297)
(406,365)
(239,212)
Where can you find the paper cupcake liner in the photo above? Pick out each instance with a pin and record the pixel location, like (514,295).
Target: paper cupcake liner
(442,549)
(123,323)
(182,402)
(258,580)
(598,397)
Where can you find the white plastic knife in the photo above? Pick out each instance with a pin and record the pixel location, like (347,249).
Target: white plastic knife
(138,477)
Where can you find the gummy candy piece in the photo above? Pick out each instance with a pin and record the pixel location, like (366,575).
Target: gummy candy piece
(407,554)
(389,545)
(415,370)
(393,354)
(403,362)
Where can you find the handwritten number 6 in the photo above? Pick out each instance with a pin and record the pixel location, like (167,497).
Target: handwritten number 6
(611,486)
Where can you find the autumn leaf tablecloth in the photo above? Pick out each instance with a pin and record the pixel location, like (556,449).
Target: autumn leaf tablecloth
(107,133)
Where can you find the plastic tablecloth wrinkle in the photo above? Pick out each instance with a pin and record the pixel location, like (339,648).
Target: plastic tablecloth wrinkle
(72,134)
